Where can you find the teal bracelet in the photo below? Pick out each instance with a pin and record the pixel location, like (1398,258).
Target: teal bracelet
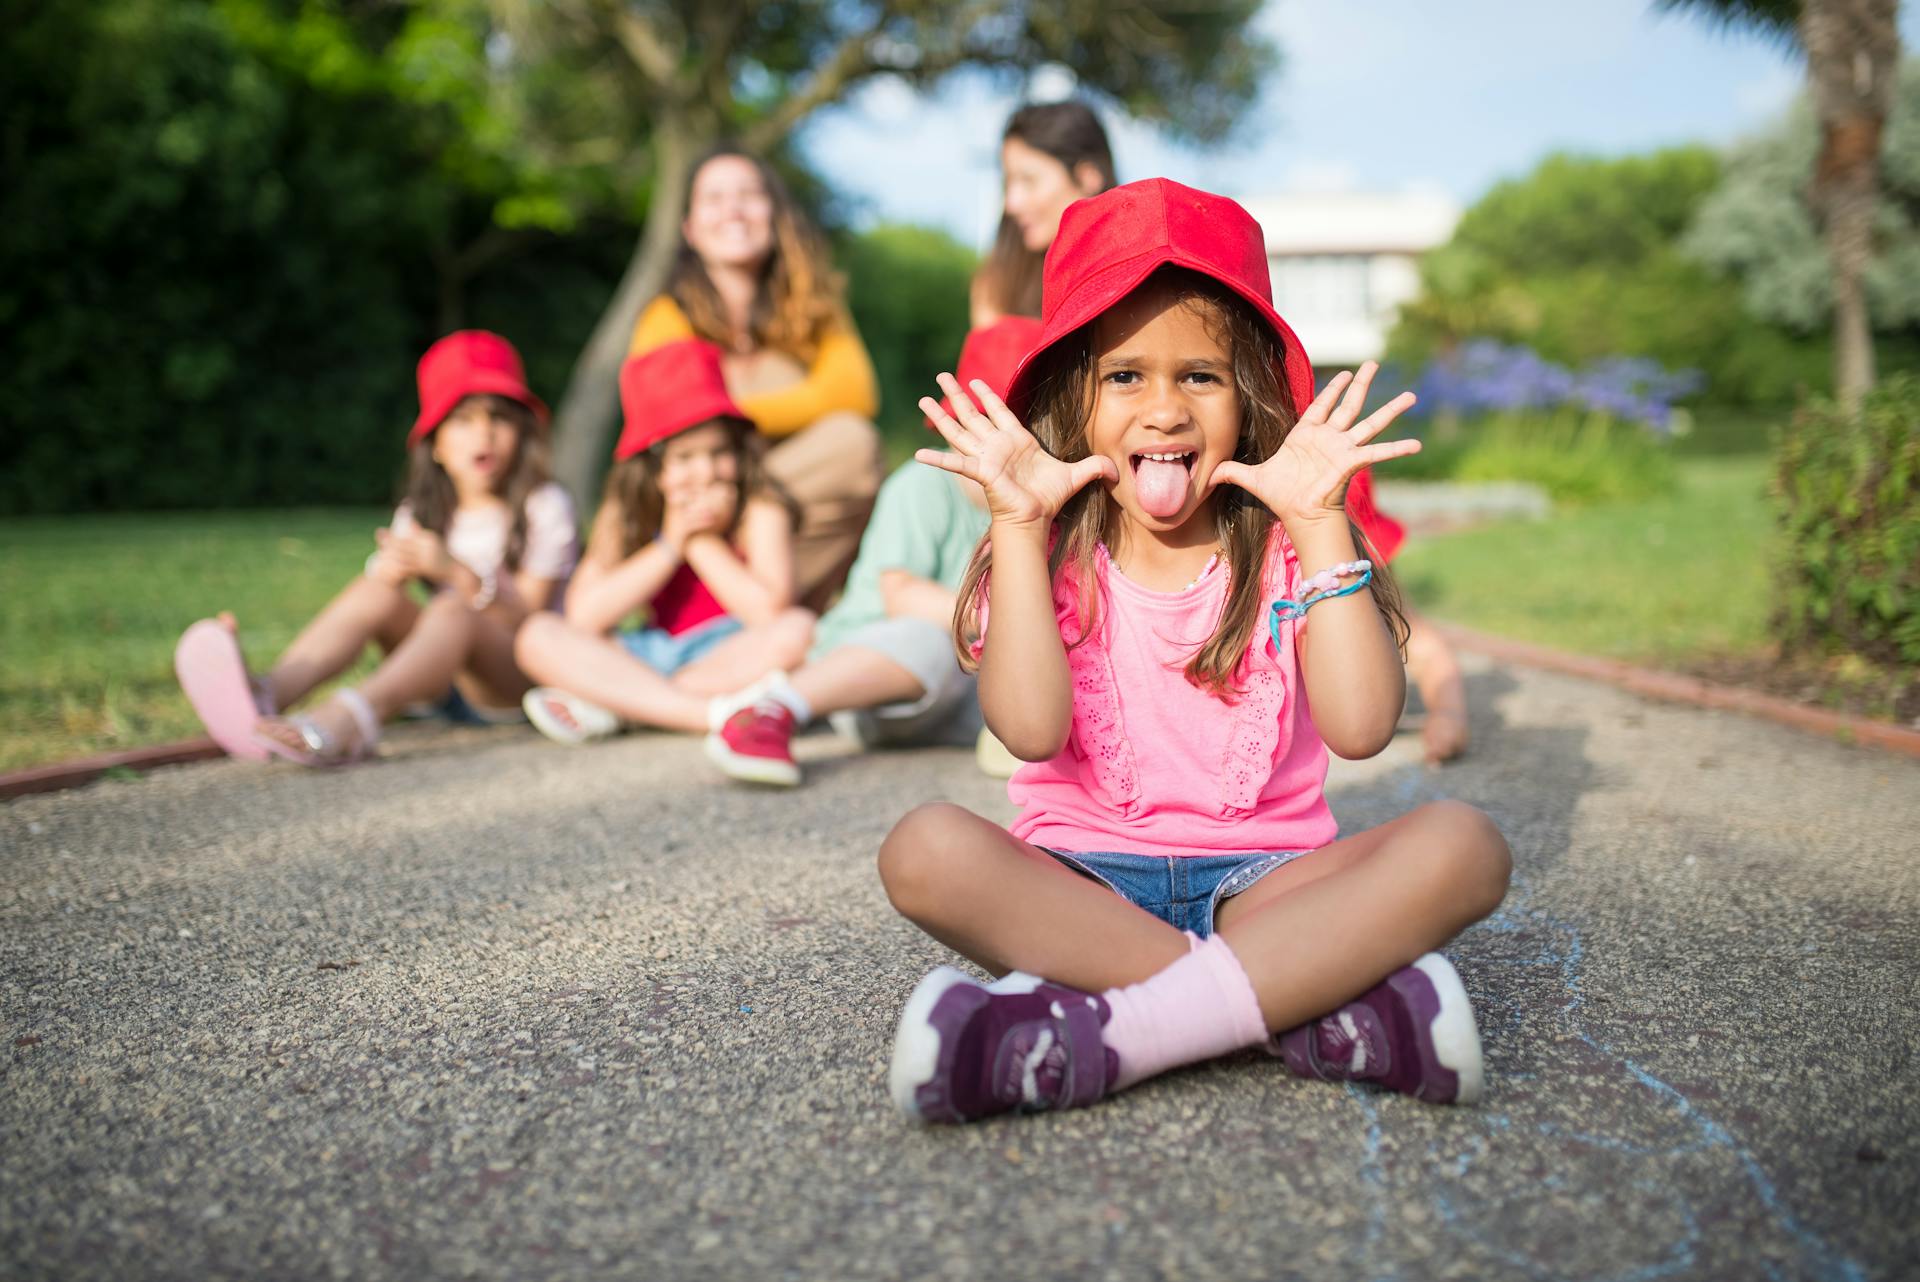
(1285,611)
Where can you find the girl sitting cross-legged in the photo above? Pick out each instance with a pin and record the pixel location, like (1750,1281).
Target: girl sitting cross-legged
(691,532)
(1175,625)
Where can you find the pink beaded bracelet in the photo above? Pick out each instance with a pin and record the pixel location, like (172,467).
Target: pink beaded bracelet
(1329,579)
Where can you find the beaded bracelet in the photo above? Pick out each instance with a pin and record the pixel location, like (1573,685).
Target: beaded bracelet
(1329,579)
(1285,611)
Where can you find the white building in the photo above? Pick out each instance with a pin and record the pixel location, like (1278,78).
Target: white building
(1343,263)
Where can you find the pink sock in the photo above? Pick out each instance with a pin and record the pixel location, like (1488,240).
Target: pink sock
(1201,1006)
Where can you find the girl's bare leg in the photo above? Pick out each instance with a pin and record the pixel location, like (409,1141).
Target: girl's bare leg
(365,610)
(1435,670)
(552,652)
(749,654)
(1008,905)
(852,676)
(420,667)
(491,678)
(1327,927)
(1310,936)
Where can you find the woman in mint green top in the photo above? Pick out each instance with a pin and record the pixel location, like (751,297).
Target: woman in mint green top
(916,547)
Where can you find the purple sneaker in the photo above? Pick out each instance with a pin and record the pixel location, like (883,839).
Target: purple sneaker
(1412,1032)
(965,1050)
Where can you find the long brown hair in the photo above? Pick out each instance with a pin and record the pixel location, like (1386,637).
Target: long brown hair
(1060,415)
(633,487)
(800,296)
(430,495)
(1070,132)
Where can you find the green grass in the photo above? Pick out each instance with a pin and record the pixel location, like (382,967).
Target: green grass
(93,606)
(1666,579)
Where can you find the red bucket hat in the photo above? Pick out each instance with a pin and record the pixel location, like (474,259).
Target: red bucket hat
(675,386)
(469,362)
(992,352)
(1109,243)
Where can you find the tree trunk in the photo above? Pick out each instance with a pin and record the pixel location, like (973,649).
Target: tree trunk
(584,422)
(1853,56)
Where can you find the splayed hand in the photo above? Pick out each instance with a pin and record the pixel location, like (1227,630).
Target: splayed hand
(1305,480)
(1025,485)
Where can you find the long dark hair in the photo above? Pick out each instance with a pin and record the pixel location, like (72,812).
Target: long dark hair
(800,295)
(633,487)
(430,495)
(1060,415)
(1072,135)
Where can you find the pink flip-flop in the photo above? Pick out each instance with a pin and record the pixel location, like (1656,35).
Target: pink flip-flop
(214,676)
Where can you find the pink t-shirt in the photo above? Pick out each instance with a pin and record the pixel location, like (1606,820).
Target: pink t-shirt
(477,539)
(1156,765)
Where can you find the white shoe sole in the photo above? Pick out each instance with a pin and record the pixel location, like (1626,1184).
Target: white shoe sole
(1456,1041)
(916,1043)
(590,720)
(778,774)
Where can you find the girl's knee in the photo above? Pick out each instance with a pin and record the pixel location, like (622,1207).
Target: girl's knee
(450,611)
(375,595)
(792,635)
(915,857)
(1474,853)
(535,637)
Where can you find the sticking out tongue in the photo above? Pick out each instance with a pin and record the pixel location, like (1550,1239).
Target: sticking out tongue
(1161,487)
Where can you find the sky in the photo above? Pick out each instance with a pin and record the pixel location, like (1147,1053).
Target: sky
(1371,95)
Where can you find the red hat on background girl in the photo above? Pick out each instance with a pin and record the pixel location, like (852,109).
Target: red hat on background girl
(674,387)
(1109,244)
(992,352)
(469,362)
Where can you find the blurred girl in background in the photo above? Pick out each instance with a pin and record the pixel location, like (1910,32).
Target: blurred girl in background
(883,668)
(482,527)
(692,533)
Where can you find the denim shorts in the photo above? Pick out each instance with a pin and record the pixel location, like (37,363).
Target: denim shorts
(667,653)
(1185,891)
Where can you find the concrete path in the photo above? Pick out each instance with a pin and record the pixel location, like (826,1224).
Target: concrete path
(495,1009)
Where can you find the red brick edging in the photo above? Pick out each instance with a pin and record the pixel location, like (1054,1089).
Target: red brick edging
(1675,688)
(71,774)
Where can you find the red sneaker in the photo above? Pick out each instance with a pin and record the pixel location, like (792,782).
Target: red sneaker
(756,745)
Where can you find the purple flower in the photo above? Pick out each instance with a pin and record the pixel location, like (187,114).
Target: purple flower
(1486,376)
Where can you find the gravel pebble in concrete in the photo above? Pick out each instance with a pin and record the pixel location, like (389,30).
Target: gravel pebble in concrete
(494,1009)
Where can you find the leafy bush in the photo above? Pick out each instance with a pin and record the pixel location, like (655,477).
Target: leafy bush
(1576,457)
(908,290)
(216,273)
(1848,494)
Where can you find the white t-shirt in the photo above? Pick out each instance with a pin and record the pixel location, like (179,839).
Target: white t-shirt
(477,538)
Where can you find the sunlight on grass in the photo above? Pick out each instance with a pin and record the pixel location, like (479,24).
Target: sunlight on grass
(95,604)
(1663,579)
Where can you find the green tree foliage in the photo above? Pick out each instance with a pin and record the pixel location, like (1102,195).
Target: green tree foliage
(908,290)
(1759,225)
(703,70)
(1852,52)
(1580,260)
(225,237)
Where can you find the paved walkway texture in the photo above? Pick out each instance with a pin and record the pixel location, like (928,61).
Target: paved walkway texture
(494,1009)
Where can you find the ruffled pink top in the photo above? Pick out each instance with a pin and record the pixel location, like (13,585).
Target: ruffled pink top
(1157,765)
